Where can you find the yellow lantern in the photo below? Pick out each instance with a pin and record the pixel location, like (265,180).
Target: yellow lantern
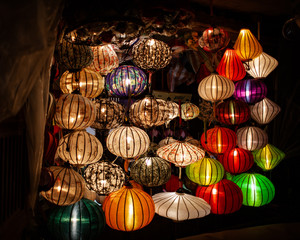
(189,111)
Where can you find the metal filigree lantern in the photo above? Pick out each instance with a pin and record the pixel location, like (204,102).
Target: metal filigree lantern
(214,39)
(265,111)
(250,90)
(251,138)
(189,111)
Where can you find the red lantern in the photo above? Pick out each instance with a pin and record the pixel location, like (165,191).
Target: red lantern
(237,160)
(219,140)
(50,146)
(173,184)
(224,197)
(232,112)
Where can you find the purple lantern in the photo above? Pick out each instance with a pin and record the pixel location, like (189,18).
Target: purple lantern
(250,90)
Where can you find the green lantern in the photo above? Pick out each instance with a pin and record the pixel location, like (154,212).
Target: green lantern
(82,220)
(257,189)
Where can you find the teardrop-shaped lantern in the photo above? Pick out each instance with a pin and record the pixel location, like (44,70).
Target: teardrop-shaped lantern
(251,138)
(189,111)
(214,39)
(265,111)
(166,141)
(215,88)
(268,157)
(250,90)
(247,46)
(231,66)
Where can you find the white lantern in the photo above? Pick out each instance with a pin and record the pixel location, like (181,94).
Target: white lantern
(264,111)
(251,138)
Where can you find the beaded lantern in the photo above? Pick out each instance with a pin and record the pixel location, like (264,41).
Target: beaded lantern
(189,111)
(89,83)
(268,157)
(166,141)
(82,220)
(214,39)
(205,172)
(257,189)
(250,90)
(80,148)
(68,186)
(251,138)
(128,209)
(74,112)
(151,54)
(104,177)
(126,81)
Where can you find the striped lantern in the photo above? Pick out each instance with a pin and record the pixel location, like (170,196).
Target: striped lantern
(74,112)
(172,109)
(268,157)
(247,46)
(257,189)
(128,209)
(218,140)
(180,206)
(250,90)
(68,186)
(237,160)
(214,39)
(189,111)
(231,66)
(89,83)
(265,111)
(232,112)
(166,141)
(261,66)
(127,142)
(80,148)
(224,197)
(251,138)
(180,153)
(215,88)
(205,172)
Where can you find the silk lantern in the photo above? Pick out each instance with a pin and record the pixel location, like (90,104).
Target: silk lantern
(265,111)
(251,138)
(189,111)
(128,209)
(172,109)
(224,197)
(268,157)
(250,90)
(257,189)
(214,39)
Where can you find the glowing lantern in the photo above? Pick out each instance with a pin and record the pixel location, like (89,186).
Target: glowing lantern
(172,109)
(189,111)
(214,39)
(257,189)
(251,138)
(231,66)
(166,141)
(224,197)
(128,209)
(205,172)
(250,90)
(247,46)
(193,141)
(268,157)
(219,140)
(264,111)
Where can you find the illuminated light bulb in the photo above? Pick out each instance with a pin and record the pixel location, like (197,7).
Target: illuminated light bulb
(79,156)
(102,110)
(58,188)
(103,181)
(235,153)
(151,42)
(148,162)
(127,82)
(128,139)
(214,191)
(72,119)
(80,84)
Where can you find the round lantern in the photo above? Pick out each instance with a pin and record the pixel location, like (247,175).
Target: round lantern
(126,81)
(80,148)
(109,114)
(250,90)
(128,209)
(251,138)
(261,66)
(180,153)
(189,111)
(127,142)
(232,112)
(82,220)
(89,83)
(265,111)
(236,160)
(150,171)
(151,54)
(215,88)
(166,141)
(218,140)
(268,157)
(180,206)
(231,66)
(257,189)
(205,172)
(224,197)
(104,177)
(173,184)
(74,112)
(68,186)
(214,39)
(247,46)
(105,59)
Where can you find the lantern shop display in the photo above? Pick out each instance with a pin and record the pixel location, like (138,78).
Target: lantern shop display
(214,39)
(74,112)
(128,209)
(268,157)
(68,186)
(257,189)
(224,197)
(189,111)
(166,141)
(205,172)
(82,220)
(251,138)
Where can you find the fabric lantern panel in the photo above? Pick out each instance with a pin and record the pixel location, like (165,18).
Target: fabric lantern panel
(214,39)
(265,111)
(250,90)
(166,141)
(189,111)
(173,184)
(251,138)
(172,109)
